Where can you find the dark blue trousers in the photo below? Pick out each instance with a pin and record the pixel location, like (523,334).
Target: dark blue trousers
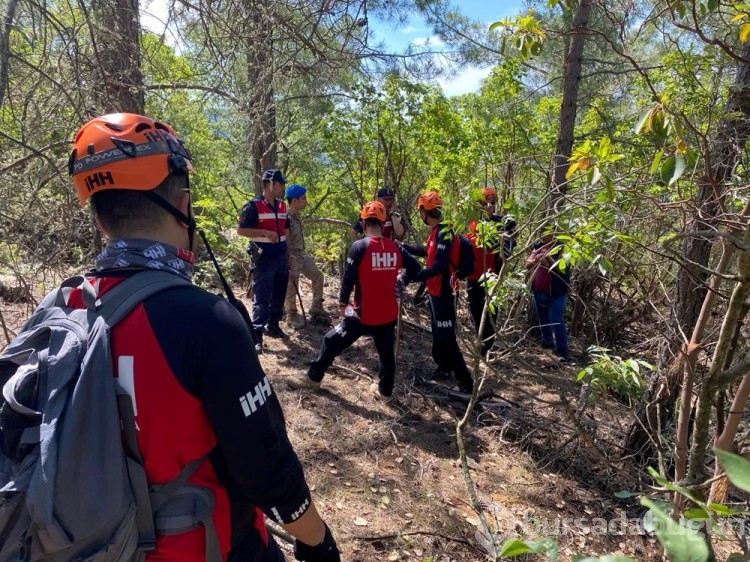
(270,277)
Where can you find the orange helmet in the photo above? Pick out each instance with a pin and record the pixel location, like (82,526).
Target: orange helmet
(125,151)
(488,192)
(430,200)
(373,210)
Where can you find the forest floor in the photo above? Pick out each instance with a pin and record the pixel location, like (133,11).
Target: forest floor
(387,477)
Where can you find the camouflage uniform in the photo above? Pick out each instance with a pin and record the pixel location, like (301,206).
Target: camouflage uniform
(300,262)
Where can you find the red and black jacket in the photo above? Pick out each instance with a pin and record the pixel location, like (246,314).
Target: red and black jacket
(485,258)
(186,357)
(441,253)
(371,270)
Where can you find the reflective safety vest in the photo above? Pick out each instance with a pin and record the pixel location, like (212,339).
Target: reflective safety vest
(268,219)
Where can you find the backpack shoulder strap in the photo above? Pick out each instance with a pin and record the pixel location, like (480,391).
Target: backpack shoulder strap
(116,303)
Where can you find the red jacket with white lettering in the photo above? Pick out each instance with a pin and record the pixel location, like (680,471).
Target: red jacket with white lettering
(185,357)
(371,270)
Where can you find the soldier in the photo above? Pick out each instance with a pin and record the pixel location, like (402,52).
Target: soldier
(300,262)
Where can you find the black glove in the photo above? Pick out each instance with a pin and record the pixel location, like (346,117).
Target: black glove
(400,288)
(327,551)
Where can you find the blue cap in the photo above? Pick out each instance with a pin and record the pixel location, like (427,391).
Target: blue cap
(274,174)
(295,190)
(385,193)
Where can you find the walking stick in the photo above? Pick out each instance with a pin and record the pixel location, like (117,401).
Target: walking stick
(280,533)
(234,301)
(398,326)
(299,296)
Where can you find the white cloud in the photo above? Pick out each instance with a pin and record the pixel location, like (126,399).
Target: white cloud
(154,16)
(433,41)
(467,81)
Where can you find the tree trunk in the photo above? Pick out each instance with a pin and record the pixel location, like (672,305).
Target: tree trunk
(116,35)
(10,13)
(723,156)
(572,65)
(261,110)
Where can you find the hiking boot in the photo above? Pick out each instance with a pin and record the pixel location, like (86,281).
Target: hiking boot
(466,387)
(439,375)
(303,382)
(258,337)
(315,311)
(547,345)
(375,389)
(275,331)
(295,320)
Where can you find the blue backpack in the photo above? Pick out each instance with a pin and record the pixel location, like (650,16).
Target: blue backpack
(71,488)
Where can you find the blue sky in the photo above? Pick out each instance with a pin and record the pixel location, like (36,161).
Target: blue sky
(415,31)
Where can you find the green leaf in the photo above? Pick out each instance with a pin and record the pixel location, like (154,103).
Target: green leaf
(722,509)
(623,494)
(639,126)
(696,513)
(682,544)
(605,145)
(679,168)
(496,25)
(667,170)
(609,188)
(736,467)
(712,5)
(515,547)
(655,162)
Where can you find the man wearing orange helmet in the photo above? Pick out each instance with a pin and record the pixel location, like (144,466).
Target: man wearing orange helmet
(186,355)
(372,272)
(439,273)
(491,249)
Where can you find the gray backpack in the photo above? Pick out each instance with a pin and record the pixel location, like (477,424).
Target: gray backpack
(71,488)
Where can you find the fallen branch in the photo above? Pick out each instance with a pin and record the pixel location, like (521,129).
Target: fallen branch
(412,533)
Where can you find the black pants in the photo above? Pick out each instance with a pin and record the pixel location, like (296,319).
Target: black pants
(477,295)
(345,334)
(445,350)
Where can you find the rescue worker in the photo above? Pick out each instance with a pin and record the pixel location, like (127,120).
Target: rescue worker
(264,221)
(550,285)
(300,262)
(372,272)
(442,286)
(491,249)
(187,354)
(393,227)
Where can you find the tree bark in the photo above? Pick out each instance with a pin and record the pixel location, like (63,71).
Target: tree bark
(261,110)
(116,34)
(573,64)
(5,46)
(722,157)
